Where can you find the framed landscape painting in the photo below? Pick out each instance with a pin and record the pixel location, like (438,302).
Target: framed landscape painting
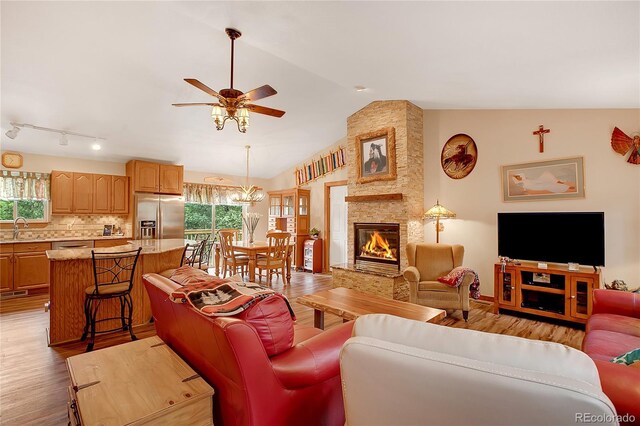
(544,180)
(376,155)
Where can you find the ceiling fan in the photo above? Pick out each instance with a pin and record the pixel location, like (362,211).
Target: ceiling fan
(232,103)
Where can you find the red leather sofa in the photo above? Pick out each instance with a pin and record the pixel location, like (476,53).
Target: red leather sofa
(612,330)
(298,385)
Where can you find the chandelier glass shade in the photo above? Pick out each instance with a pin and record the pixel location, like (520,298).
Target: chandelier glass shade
(247,194)
(220,116)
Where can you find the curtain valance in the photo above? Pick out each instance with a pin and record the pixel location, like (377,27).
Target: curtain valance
(24,185)
(203,193)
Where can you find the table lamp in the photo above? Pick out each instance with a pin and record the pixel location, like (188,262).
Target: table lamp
(438,212)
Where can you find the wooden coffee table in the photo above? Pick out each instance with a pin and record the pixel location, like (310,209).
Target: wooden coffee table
(351,304)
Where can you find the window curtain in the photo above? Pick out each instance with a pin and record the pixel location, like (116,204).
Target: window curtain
(24,185)
(203,193)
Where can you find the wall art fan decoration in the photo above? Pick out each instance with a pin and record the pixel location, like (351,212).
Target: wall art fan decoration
(233,104)
(623,145)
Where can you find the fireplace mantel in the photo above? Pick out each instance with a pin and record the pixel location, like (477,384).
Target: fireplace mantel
(374,197)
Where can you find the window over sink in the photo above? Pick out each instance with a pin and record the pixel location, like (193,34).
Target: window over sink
(24,194)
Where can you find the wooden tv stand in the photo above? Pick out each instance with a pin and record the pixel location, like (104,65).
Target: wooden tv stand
(557,293)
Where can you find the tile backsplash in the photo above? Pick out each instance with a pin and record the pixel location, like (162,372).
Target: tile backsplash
(72,226)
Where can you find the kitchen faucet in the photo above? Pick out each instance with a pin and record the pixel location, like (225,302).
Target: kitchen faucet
(16,230)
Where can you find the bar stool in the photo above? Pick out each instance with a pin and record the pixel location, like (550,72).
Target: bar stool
(113,278)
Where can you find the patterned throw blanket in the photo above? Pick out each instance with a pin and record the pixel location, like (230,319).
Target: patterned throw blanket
(223,298)
(456,276)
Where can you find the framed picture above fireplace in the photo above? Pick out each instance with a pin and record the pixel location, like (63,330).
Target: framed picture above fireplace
(376,155)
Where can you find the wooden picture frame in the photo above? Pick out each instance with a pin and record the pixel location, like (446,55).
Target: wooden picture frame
(376,155)
(544,180)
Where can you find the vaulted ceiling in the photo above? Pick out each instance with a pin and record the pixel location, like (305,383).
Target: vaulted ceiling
(113,69)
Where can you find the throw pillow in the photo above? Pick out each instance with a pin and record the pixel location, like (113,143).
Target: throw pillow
(630,358)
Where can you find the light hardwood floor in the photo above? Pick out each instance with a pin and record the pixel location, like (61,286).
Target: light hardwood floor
(33,376)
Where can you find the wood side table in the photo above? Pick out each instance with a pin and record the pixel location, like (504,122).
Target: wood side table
(141,382)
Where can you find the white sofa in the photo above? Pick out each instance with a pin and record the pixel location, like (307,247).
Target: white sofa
(402,372)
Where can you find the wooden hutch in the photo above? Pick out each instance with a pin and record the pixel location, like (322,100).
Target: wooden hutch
(289,211)
(555,292)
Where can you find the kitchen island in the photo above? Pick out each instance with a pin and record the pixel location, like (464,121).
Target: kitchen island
(71,272)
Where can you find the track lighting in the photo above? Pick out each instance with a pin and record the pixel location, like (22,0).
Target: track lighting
(11,134)
(64,134)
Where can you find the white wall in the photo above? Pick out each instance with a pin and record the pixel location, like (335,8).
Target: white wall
(286,180)
(505,137)
(47,163)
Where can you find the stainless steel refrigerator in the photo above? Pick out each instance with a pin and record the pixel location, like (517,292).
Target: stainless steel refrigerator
(167,211)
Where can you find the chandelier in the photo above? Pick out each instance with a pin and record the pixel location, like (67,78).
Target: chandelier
(247,194)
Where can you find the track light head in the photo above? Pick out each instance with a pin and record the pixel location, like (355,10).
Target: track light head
(64,140)
(11,134)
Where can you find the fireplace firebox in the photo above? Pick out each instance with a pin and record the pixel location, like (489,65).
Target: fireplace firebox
(377,243)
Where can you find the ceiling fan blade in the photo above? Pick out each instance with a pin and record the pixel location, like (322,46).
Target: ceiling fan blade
(195,104)
(203,87)
(266,111)
(259,93)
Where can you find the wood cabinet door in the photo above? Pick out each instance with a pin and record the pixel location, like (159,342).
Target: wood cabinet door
(102,194)
(61,192)
(171,179)
(6,272)
(507,287)
(82,193)
(147,177)
(31,270)
(581,297)
(120,194)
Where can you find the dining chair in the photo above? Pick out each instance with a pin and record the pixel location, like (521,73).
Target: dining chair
(275,259)
(231,260)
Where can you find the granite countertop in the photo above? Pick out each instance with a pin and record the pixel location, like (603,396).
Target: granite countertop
(148,247)
(54,239)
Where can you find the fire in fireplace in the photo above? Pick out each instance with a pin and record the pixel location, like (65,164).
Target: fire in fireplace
(377,242)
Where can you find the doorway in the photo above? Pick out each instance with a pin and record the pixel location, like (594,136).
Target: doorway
(335,223)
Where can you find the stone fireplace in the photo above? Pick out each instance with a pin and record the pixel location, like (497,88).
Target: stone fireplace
(377,243)
(399,201)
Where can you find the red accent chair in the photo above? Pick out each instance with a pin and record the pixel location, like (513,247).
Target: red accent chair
(298,385)
(614,329)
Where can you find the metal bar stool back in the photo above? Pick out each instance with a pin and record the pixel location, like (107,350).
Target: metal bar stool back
(113,278)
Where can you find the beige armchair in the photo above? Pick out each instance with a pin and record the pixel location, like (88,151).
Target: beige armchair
(427,262)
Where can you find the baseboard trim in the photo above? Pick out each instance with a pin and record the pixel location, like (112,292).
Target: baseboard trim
(487,298)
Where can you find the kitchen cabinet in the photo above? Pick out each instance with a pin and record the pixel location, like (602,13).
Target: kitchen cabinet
(61,192)
(119,194)
(171,177)
(82,193)
(87,193)
(24,266)
(6,269)
(102,194)
(147,176)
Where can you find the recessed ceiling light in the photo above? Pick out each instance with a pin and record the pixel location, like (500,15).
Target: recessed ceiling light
(96,147)
(360,88)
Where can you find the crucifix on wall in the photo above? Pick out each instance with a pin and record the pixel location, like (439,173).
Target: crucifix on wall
(540,132)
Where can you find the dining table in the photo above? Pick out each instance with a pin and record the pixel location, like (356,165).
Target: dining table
(252,250)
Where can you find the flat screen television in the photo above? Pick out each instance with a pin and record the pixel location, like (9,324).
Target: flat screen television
(567,237)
